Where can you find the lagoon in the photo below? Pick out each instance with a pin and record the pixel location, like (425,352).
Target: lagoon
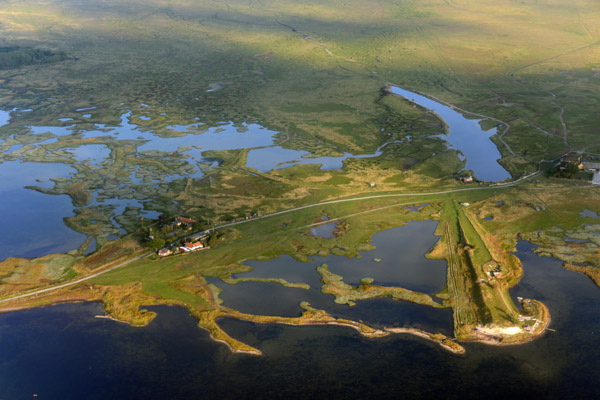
(403,264)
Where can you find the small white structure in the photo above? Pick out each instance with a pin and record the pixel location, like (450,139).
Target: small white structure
(191,246)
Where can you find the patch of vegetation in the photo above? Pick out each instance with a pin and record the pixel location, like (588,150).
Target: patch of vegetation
(346,294)
(15,56)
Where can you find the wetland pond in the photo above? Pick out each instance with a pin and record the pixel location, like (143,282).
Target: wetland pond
(63,352)
(4,117)
(401,252)
(270,158)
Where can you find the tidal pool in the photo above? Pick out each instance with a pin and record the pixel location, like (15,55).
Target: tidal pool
(466,136)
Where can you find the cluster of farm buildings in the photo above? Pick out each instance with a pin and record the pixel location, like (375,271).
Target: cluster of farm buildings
(592,166)
(191,243)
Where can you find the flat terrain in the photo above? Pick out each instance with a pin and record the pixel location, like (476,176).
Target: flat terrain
(314,74)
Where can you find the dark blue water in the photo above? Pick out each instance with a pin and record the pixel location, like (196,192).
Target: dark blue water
(63,352)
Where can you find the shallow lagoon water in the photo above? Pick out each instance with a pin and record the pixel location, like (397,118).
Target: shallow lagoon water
(466,136)
(63,352)
(403,264)
(402,252)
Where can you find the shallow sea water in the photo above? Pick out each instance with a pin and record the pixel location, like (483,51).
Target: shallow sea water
(63,352)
